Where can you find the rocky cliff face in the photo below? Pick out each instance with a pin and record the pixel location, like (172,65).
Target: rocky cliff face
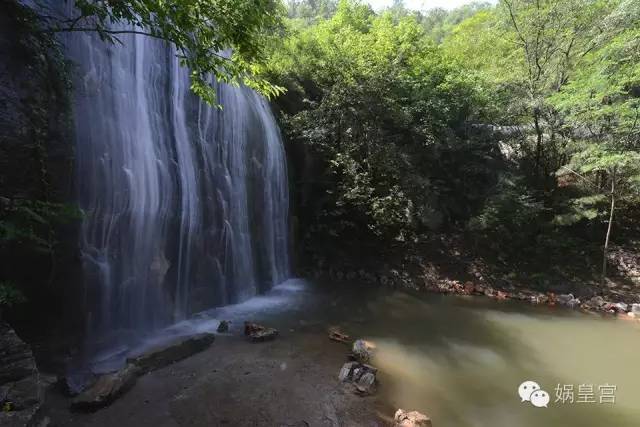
(36,174)
(21,393)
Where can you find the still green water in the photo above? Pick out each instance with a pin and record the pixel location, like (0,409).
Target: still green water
(461,359)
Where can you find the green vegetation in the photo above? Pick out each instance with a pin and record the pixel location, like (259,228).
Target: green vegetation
(200,30)
(10,295)
(517,124)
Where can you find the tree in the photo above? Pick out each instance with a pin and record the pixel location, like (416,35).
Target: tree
(606,171)
(602,100)
(201,30)
(552,36)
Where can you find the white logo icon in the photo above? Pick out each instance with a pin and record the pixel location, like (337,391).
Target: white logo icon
(539,398)
(526,388)
(530,391)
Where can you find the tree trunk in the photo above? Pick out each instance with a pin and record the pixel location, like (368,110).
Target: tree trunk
(606,240)
(539,135)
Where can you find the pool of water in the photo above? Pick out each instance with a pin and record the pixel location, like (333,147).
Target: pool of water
(461,359)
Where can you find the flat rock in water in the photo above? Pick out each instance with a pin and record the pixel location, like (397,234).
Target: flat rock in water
(266,334)
(106,389)
(411,419)
(174,351)
(259,333)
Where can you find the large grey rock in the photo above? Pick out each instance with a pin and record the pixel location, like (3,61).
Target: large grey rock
(573,303)
(109,387)
(106,389)
(366,383)
(21,393)
(164,355)
(363,377)
(635,309)
(564,299)
(410,419)
(347,370)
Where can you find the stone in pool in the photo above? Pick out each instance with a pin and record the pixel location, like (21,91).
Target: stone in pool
(410,419)
(259,333)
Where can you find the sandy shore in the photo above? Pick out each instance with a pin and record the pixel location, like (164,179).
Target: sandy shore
(292,381)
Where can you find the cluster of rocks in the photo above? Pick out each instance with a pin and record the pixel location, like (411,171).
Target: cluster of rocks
(361,376)
(596,303)
(600,304)
(431,282)
(358,372)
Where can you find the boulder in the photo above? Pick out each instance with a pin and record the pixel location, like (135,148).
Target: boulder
(346,372)
(366,383)
(21,392)
(411,419)
(575,302)
(363,350)
(163,355)
(106,389)
(635,309)
(564,299)
(597,301)
(223,326)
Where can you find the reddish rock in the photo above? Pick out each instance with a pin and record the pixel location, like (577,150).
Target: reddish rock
(411,419)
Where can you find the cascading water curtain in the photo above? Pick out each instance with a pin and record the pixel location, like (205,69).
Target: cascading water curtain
(186,205)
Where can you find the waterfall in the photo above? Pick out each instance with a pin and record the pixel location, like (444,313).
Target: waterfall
(186,206)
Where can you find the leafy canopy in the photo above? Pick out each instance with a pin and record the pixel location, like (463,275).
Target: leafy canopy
(201,30)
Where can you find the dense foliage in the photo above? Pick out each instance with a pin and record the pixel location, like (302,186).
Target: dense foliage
(386,110)
(518,122)
(202,32)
